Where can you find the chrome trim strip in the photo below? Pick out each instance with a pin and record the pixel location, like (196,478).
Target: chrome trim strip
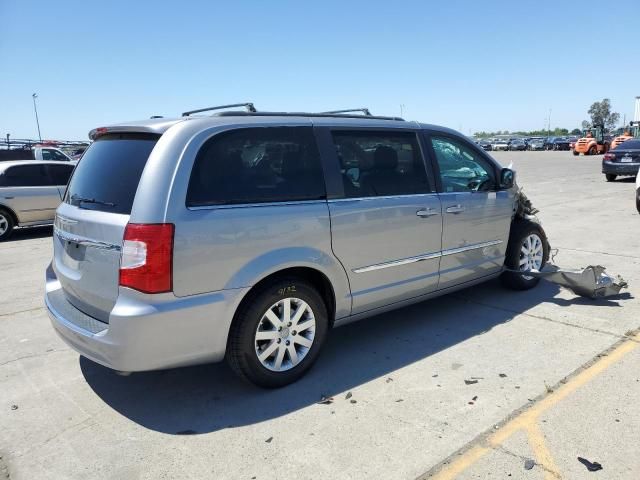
(84,241)
(397,263)
(429,256)
(453,251)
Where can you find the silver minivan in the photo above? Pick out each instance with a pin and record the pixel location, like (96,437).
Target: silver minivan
(249,235)
(30,192)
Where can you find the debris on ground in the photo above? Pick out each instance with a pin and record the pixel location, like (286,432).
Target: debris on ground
(348,395)
(591,281)
(529,464)
(268,440)
(470,382)
(399,400)
(14,407)
(455,366)
(549,389)
(591,466)
(473,400)
(389,379)
(434,376)
(353,401)
(324,400)
(502,375)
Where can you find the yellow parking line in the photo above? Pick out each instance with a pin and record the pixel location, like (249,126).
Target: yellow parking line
(541,453)
(527,419)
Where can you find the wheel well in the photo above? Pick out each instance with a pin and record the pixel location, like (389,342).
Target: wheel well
(316,278)
(10,212)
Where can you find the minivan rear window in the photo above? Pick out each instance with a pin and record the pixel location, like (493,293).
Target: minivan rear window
(108,174)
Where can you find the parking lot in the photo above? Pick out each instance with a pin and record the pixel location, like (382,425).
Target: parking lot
(475,384)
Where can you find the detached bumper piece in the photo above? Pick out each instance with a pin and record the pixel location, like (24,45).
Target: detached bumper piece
(590,282)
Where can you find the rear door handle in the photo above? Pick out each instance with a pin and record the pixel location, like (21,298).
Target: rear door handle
(426,212)
(455,209)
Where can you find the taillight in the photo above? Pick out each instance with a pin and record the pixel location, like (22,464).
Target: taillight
(609,156)
(147,257)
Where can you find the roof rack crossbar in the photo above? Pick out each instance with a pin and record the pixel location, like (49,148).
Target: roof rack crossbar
(365,111)
(248,105)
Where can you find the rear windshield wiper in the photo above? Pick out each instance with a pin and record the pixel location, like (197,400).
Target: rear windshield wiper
(79,200)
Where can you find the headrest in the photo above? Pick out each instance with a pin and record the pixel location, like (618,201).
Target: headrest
(385,158)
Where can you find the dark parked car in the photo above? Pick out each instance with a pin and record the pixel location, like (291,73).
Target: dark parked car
(624,160)
(485,145)
(517,145)
(560,143)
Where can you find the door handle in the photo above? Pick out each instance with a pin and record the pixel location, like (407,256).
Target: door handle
(426,212)
(455,209)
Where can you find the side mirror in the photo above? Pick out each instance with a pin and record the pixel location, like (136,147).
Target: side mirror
(507,178)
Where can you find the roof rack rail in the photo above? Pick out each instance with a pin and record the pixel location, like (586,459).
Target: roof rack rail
(365,111)
(249,106)
(236,113)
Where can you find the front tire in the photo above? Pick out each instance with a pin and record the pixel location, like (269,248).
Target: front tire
(528,249)
(277,333)
(593,151)
(6,224)
(638,200)
(610,177)
(575,154)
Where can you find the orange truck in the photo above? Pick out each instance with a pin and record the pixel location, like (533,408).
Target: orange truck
(592,142)
(632,131)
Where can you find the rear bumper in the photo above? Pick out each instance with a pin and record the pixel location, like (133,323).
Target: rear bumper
(618,168)
(146,332)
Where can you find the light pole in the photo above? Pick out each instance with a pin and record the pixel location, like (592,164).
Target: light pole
(401,109)
(549,129)
(8,144)
(35,109)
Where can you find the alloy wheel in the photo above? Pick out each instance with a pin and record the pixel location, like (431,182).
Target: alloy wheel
(531,254)
(4,224)
(285,334)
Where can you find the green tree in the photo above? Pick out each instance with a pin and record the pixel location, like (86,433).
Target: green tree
(600,113)
(576,131)
(586,124)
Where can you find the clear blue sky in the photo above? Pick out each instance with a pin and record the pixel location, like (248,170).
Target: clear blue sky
(469,65)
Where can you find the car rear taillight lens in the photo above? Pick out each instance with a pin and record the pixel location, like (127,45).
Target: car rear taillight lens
(609,156)
(147,257)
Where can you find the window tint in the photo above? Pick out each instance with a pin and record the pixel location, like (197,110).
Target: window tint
(56,155)
(59,174)
(380,163)
(107,177)
(256,165)
(25,176)
(462,169)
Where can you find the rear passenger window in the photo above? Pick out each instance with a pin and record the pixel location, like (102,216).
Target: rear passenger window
(380,163)
(25,176)
(59,174)
(256,165)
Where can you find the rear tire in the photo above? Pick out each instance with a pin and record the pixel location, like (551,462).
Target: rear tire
(610,177)
(575,154)
(264,347)
(6,224)
(524,235)
(638,200)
